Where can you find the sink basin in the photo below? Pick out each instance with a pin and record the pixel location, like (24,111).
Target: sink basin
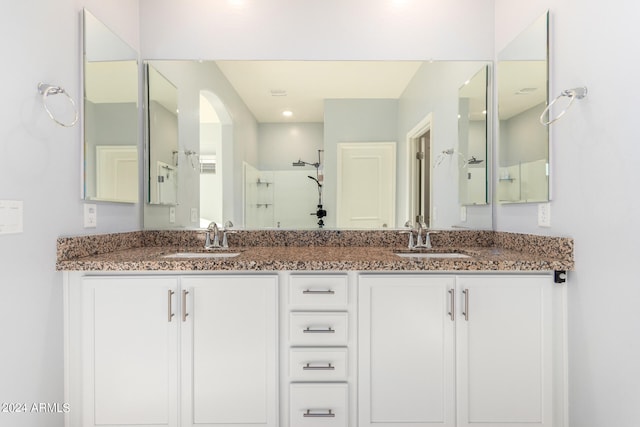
(202,255)
(431,255)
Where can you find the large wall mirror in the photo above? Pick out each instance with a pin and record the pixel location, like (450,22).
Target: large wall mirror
(523,169)
(110,120)
(263,143)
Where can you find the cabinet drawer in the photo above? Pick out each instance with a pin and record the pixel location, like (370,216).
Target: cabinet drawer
(318,329)
(328,291)
(318,364)
(315,405)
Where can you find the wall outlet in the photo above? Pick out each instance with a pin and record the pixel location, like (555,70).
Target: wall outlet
(172,214)
(194,214)
(463,213)
(544,215)
(90,216)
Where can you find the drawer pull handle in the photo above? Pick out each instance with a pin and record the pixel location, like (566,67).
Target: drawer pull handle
(452,309)
(184,305)
(308,330)
(308,367)
(169,308)
(328,414)
(312,292)
(465,313)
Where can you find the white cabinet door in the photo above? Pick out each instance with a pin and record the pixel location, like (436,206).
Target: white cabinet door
(504,351)
(229,351)
(130,350)
(406,351)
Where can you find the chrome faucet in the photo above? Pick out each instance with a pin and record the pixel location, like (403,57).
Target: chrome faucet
(421,230)
(422,226)
(214,242)
(212,228)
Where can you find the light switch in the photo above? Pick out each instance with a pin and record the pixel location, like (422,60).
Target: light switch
(90,216)
(11,216)
(463,213)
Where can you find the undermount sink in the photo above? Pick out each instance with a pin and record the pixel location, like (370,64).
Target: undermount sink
(202,255)
(431,255)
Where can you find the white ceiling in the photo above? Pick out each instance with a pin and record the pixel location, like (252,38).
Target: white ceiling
(308,83)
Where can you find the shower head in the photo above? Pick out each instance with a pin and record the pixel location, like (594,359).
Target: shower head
(474,161)
(299,163)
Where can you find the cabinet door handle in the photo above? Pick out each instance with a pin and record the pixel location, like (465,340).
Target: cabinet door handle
(317,414)
(169,308)
(308,330)
(465,311)
(184,305)
(308,367)
(452,304)
(312,292)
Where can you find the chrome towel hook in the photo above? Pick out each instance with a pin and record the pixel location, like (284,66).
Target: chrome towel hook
(45,90)
(572,94)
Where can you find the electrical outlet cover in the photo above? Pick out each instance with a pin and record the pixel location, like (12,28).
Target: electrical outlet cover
(194,214)
(90,216)
(172,214)
(463,213)
(544,215)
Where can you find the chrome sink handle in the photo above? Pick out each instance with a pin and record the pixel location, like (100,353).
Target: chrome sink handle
(225,231)
(409,225)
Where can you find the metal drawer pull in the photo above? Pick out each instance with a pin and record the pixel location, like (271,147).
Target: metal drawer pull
(312,292)
(329,330)
(466,304)
(184,305)
(169,308)
(328,414)
(452,309)
(329,367)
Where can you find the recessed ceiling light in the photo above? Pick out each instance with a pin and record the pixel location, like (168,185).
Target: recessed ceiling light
(287,113)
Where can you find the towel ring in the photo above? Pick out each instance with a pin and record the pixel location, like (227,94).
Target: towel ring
(573,94)
(46,90)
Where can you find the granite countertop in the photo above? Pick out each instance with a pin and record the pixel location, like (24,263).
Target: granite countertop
(146,251)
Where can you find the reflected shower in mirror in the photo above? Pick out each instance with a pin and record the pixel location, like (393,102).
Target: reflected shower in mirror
(523,158)
(241,163)
(162,128)
(472,139)
(110,149)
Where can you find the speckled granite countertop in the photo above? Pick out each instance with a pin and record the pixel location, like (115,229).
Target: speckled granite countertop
(314,251)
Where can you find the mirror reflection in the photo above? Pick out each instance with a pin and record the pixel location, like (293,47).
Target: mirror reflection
(110,151)
(344,143)
(162,122)
(472,139)
(523,172)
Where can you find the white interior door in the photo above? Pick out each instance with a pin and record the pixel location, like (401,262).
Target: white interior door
(117,173)
(366,185)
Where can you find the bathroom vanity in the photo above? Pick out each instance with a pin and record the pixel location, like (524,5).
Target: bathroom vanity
(324,335)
